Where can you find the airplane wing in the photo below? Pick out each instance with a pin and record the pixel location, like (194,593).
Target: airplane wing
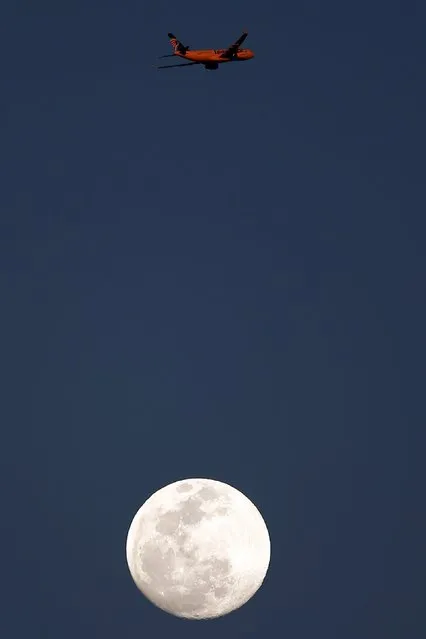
(232,50)
(173,66)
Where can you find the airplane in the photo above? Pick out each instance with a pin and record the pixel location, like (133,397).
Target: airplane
(210,58)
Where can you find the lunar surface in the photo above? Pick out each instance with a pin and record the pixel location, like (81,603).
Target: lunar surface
(198,548)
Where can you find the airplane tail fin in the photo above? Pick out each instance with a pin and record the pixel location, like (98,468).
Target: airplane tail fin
(178,47)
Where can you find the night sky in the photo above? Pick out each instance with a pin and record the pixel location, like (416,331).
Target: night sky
(214,274)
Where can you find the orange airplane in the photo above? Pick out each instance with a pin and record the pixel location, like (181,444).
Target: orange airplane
(210,58)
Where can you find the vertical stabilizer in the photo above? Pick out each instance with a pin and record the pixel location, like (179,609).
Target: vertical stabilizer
(178,47)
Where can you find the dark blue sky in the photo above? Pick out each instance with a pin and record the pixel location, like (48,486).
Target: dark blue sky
(216,274)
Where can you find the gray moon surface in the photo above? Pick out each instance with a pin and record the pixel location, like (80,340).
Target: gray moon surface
(198,548)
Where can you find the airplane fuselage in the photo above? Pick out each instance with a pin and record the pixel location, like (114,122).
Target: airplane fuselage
(214,55)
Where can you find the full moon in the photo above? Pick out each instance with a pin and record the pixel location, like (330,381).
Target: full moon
(198,549)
